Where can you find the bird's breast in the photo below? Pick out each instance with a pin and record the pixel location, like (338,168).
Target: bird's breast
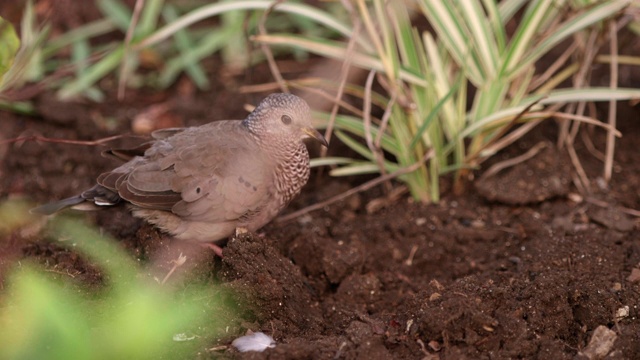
(291,175)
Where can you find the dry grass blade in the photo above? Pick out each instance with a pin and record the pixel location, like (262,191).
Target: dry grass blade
(569,131)
(496,168)
(124,67)
(309,85)
(611,138)
(502,134)
(98,142)
(606,205)
(344,73)
(554,68)
(579,80)
(275,71)
(375,150)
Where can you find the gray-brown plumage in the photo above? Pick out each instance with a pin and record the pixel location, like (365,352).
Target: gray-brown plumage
(201,183)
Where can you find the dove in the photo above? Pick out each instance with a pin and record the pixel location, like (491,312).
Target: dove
(202,183)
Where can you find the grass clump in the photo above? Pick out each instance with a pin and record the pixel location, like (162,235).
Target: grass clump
(460,92)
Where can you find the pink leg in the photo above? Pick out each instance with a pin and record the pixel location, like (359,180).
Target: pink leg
(216,249)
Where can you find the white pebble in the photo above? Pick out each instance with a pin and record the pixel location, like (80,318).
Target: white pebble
(257,341)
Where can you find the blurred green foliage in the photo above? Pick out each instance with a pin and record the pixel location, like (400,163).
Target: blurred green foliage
(10,44)
(129,316)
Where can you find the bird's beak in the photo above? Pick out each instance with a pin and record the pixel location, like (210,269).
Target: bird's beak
(314,134)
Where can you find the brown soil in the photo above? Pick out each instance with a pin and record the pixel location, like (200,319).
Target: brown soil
(527,274)
(521,266)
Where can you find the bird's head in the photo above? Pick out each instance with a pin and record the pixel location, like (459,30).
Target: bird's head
(283,118)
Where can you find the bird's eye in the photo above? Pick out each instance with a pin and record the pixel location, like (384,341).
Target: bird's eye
(286,119)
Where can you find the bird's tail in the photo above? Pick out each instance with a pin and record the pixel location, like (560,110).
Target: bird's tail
(92,199)
(54,207)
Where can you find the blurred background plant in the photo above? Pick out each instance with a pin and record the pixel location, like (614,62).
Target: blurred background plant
(44,315)
(74,62)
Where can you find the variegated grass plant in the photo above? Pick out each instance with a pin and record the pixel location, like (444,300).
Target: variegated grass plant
(460,93)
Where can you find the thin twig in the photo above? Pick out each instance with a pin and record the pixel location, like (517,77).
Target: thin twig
(551,70)
(501,134)
(412,254)
(344,73)
(604,204)
(577,118)
(586,136)
(496,168)
(176,264)
(578,80)
(580,172)
(124,67)
(613,84)
(568,137)
(508,139)
(367,111)
(66,141)
(308,85)
(385,118)
(364,187)
(273,66)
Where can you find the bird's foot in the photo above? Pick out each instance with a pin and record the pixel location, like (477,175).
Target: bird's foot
(216,249)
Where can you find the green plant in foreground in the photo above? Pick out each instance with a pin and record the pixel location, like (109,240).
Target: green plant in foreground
(457,96)
(129,317)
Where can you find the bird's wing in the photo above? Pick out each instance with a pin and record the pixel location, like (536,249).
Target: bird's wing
(211,173)
(128,154)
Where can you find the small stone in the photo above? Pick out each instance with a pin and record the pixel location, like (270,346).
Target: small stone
(616,287)
(434,345)
(257,341)
(622,312)
(634,277)
(600,344)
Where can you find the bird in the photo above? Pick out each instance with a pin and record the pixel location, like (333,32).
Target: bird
(203,183)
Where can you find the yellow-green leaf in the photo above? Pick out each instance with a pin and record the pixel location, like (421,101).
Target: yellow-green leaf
(9,44)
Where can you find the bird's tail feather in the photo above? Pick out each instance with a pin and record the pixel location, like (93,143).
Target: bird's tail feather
(54,207)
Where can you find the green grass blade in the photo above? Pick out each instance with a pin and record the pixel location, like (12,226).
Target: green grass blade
(336,50)
(588,18)
(330,161)
(94,73)
(185,46)
(591,94)
(11,43)
(310,12)
(451,32)
(117,12)
(84,32)
(149,16)
(356,169)
(527,28)
(209,44)
(484,41)
(434,113)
